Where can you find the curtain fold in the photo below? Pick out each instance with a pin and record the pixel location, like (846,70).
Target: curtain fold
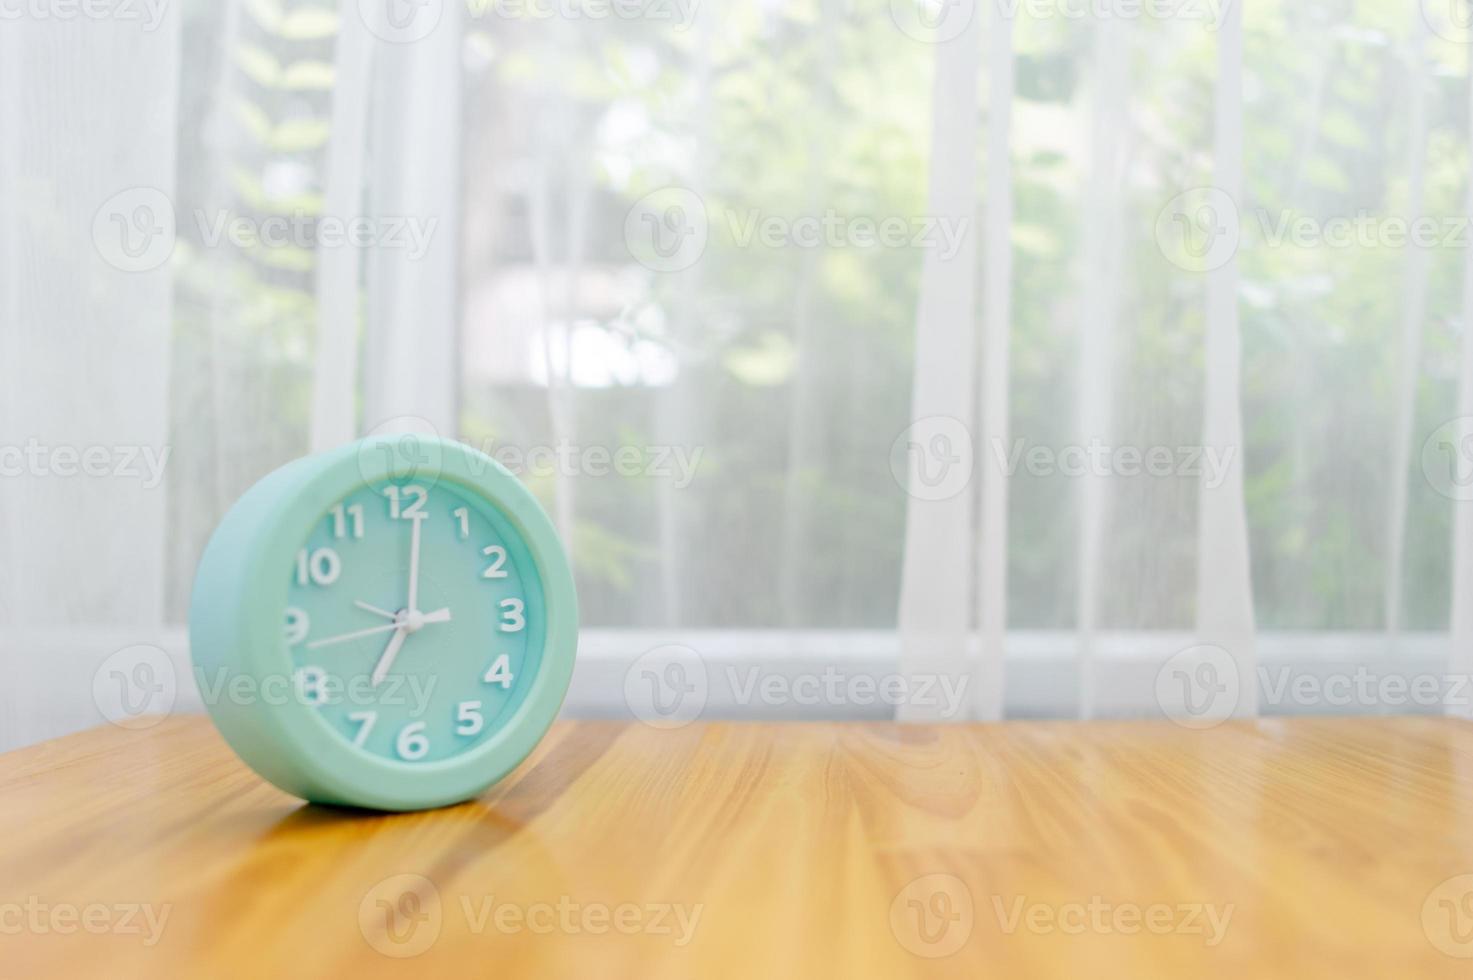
(680,415)
(412,323)
(1411,325)
(1460,613)
(1098,316)
(994,383)
(339,285)
(936,593)
(1224,614)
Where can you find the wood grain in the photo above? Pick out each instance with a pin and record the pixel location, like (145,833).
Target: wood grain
(814,850)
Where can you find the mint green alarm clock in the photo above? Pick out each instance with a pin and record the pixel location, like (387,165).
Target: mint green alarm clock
(389,625)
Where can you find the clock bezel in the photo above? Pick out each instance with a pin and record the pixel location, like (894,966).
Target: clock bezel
(247,559)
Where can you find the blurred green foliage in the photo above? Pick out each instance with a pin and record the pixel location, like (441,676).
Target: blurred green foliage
(795,365)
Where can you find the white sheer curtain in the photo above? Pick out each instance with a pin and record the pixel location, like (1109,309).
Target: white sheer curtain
(1461,657)
(1173,577)
(87,161)
(854,291)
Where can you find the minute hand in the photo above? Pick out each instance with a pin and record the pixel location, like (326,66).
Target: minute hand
(413,604)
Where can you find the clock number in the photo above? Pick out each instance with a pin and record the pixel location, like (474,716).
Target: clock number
(321,567)
(412,743)
(342,517)
(464,517)
(500,672)
(468,718)
(406,503)
(497,554)
(512,619)
(311,685)
(365,720)
(297,624)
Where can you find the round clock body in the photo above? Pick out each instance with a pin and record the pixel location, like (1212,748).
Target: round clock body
(389,625)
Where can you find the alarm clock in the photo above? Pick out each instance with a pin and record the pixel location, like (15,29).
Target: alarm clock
(388,625)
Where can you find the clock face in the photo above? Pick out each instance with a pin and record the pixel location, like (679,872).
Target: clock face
(415,620)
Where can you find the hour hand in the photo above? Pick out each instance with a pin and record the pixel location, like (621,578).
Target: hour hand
(381,669)
(375,609)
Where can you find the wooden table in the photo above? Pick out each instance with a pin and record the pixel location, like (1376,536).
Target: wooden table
(1335,848)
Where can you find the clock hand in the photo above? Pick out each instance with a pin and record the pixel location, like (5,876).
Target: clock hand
(345,637)
(403,626)
(413,604)
(406,623)
(375,609)
(381,669)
